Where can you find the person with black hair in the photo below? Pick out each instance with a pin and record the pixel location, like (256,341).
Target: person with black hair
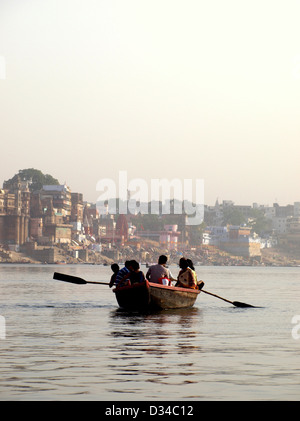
(156,273)
(187,277)
(136,275)
(121,275)
(115,268)
(191,266)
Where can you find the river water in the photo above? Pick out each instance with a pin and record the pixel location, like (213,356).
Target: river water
(62,341)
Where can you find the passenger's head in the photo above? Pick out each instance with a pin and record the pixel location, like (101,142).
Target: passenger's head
(128,264)
(183,264)
(162,260)
(190,264)
(135,265)
(114,267)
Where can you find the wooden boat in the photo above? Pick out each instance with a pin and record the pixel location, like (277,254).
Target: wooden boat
(149,295)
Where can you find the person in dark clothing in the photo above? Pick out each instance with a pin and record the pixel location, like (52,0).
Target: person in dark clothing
(136,275)
(122,274)
(115,268)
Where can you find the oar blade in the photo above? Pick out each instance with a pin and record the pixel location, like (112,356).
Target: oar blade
(239,304)
(235,303)
(68,278)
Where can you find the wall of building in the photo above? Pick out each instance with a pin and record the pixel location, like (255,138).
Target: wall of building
(241,249)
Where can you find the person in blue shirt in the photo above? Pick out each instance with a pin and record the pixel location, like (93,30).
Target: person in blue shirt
(123,272)
(130,274)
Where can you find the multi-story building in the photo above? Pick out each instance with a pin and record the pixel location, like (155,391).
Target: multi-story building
(290,240)
(169,237)
(14,212)
(58,213)
(43,216)
(76,218)
(213,235)
(76,207)
(234,239)
(61,198)
(279,224)
(297,209)
(293,225)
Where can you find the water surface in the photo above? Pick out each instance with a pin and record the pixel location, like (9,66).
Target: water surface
(71,342)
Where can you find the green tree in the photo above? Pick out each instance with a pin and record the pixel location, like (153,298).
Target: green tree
(233,216)
(37,178)
(195,234)
(259,223)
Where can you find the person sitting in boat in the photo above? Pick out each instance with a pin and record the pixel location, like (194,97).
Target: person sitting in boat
(200,284)
(134,276)
(115,268)
(187,277)
(159,271)
(119,281)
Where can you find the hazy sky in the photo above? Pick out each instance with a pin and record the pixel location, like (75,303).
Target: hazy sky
(158,88)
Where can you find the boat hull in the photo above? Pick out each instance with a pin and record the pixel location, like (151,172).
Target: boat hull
(133,297)
(149,295)
(172,297)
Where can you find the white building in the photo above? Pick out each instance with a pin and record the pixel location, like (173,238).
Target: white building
(297,209)
(213,235)
(279,224)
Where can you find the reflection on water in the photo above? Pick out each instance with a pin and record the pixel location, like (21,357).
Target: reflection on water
(157,347)
(162,325)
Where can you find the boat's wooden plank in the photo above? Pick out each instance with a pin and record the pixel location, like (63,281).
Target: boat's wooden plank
(172,297)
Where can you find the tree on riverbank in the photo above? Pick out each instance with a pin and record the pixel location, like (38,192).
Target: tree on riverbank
(36,177)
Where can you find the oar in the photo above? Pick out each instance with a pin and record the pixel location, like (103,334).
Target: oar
(74,279)
(235,303)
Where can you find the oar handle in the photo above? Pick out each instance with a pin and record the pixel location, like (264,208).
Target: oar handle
(235,303)
(94,282)
(214,295)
